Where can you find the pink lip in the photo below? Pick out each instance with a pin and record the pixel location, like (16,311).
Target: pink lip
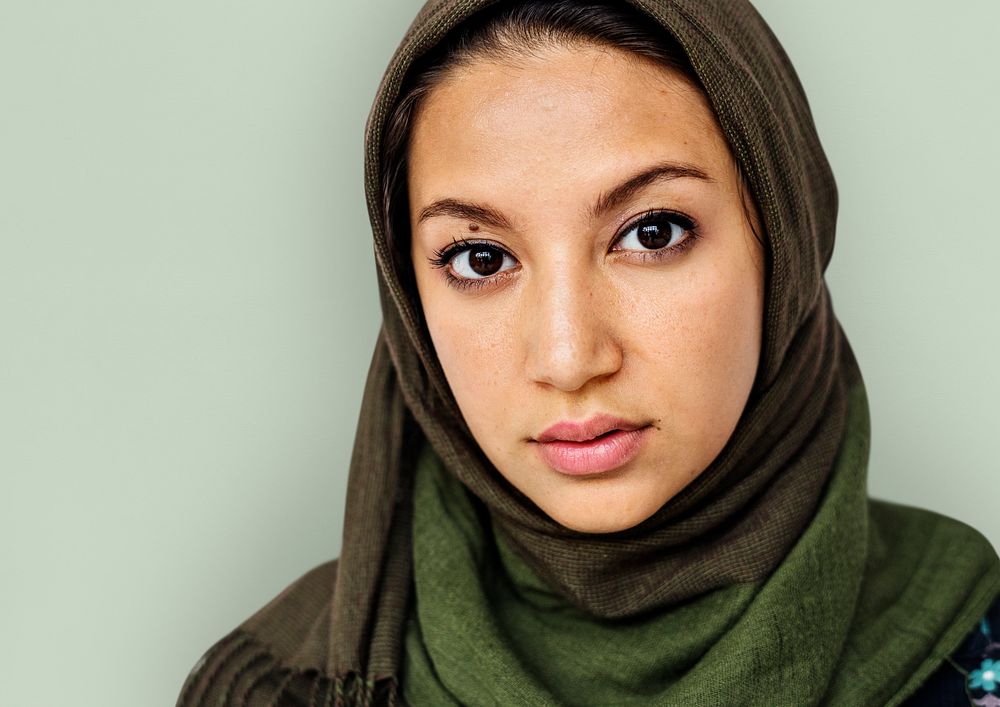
(599,444)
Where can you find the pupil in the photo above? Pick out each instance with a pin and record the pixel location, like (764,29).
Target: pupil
(651,236)
(485,261)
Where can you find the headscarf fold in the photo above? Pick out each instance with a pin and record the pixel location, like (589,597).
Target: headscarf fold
(337,634)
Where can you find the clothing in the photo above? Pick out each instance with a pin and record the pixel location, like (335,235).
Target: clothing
(305,603)
(971,675)
(778,529)
(487,630)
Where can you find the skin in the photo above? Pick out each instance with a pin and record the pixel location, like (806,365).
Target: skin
(580,321)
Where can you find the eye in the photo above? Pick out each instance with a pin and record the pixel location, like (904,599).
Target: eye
(657,230)
(468,263)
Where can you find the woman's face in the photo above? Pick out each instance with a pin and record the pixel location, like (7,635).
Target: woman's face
(585,264)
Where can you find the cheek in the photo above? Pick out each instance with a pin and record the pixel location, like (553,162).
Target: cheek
(696,345)
(476,345)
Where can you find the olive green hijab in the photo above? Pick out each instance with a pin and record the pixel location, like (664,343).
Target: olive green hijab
(773,566)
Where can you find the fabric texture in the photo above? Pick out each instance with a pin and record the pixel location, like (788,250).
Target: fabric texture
(909,580)
(487,630)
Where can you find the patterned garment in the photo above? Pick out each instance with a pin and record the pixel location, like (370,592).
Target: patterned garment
(971,675)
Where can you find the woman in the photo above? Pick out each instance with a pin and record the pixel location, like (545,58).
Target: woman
(613,444)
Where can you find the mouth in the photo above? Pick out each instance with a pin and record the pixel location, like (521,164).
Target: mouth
(596,446)
(587,430)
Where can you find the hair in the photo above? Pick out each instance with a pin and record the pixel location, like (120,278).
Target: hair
(507,32)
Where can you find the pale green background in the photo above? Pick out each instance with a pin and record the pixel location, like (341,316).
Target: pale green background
(188,301)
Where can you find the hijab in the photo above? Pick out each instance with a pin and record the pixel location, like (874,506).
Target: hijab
(772,578)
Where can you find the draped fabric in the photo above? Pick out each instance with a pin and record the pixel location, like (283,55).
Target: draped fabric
(487,630)
(337,635)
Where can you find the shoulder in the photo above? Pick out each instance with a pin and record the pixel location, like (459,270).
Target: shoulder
(936,563)
(971,675)
(892,522)
(908,545)
(276,656)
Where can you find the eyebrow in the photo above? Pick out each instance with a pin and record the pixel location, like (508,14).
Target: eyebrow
(490,217)
(663,172)
(479,213)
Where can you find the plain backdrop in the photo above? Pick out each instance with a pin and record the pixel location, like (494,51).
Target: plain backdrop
(188,300)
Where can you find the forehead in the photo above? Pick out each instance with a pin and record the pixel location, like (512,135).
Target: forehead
(560,113)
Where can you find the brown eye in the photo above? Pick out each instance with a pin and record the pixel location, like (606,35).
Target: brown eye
(653,235)
(480,260)
(485,261)
(656,231)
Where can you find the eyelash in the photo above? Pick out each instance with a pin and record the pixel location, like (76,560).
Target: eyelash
(443,257)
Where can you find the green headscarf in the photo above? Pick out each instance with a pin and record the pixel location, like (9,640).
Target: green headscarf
(771,579)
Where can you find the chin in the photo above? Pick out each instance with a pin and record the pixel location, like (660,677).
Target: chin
(600,515)
(605,503)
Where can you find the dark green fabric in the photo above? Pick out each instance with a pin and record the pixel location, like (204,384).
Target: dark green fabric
(337,635)
(829,626)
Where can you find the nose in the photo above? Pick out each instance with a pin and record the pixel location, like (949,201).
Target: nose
(569,330)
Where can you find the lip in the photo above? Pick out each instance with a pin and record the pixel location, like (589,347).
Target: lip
(594,446)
